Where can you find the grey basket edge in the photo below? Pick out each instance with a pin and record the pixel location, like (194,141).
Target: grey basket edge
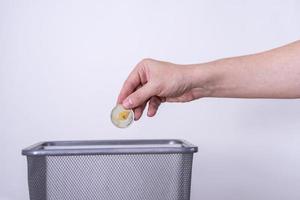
(37,148)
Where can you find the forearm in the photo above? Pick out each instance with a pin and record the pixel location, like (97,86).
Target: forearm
(271,74)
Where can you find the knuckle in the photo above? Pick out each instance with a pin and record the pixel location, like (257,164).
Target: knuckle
(155,101)
(129,83)
(146,61)
(190,97)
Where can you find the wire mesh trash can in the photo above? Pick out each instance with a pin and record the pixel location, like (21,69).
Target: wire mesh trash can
(110,170)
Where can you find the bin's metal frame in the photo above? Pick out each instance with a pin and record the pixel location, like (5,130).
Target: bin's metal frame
(179,146)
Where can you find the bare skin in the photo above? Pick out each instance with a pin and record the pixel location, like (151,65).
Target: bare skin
(270,74)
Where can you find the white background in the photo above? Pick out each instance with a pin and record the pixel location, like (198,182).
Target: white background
(62,64)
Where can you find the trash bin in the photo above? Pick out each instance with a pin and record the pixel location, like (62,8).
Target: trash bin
(110,170)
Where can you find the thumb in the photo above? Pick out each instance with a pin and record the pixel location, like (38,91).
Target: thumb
(139,97)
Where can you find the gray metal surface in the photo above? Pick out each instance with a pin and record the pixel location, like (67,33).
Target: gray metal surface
(102,176)
(109,147)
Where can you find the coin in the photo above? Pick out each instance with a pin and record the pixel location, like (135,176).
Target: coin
(121,117)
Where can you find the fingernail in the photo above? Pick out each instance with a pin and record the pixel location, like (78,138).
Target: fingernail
(150,113)
(127,103)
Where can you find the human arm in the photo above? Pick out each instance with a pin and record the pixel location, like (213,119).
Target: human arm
(271,74)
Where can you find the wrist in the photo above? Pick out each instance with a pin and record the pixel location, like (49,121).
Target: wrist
(204,76)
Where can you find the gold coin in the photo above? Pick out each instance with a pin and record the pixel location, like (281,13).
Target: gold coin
(121,117)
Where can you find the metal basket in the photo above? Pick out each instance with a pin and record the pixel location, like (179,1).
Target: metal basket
(110,170)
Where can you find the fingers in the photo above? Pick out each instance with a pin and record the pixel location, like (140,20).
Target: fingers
(154,103)
(138,112)
(140,96)
(132,82)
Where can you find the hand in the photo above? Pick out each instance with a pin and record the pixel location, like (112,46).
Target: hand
(156,82)
(271,74)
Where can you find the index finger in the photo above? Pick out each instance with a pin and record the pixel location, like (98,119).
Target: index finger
(130,85)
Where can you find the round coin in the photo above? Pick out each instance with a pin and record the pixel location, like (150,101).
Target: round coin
(121,117)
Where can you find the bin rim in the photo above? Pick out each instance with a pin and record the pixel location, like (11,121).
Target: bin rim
(167,146)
